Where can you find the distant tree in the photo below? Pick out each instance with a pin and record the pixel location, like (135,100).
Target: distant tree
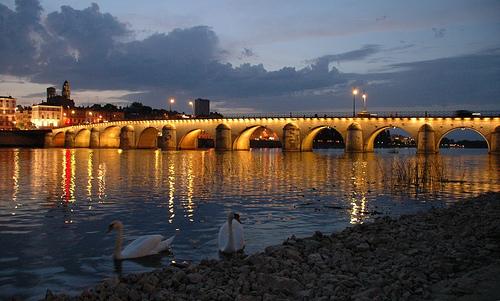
(96,107)
(159,113)
(383,139)
(215,115)
(446,141)
(138,111)
(136,105)
(473,143)
(110,107)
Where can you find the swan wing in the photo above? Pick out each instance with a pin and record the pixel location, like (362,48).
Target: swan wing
(239,239)
(223,237)
(142,246)
(164,244)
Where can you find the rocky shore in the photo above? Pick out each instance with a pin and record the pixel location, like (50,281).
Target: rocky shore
(445,254)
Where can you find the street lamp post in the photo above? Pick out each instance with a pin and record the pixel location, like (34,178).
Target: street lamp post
(364,101)
(354,93)
(192,107)
(170,103)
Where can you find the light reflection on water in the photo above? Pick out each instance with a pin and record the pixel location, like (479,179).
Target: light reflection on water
(55,204)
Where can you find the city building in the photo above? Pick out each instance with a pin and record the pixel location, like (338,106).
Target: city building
(7,112)
(81,115)
(23,118)
(74,116)
(201,107)
(112,115)
(47,116)
(45,113)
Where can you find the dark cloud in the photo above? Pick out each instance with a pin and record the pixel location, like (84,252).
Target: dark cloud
(462,82)
(89,32)
(253,80)
(388,54)
(354,55)
(178,60)
(20,35)
(90,49)
(86,46)
(456,81)
(246,53)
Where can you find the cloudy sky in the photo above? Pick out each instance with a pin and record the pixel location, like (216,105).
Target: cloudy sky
(255,56)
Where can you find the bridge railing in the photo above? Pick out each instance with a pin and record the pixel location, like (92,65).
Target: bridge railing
(374,114)
(368,114)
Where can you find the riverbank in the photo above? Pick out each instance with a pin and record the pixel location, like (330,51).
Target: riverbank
(23,138)
(444,254)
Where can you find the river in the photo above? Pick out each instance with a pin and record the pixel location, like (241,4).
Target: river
(56,204)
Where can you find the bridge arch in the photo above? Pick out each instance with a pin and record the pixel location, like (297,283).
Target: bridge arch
(307,142)
(465,128)
(242,141)
(148,138)
(190,140)
(82,138)
(370,142)
(58,139)
(110,137)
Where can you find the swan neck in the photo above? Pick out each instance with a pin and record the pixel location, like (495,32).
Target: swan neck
(117,254)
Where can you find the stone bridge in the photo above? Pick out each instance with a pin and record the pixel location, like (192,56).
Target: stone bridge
(295,133)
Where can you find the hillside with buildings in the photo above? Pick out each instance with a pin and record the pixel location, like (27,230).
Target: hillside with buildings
(60,110)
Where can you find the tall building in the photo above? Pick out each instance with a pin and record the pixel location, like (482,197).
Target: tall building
(201,107)
(51,92)
(66,91)
(7,112)
(63,100)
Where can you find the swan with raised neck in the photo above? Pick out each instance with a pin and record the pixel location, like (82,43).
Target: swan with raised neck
(231,235)
(142,246)
(118,227)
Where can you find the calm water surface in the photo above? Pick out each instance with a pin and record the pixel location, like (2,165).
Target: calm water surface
(56,204)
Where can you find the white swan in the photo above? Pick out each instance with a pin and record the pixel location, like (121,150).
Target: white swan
(142,246)
(231,235)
